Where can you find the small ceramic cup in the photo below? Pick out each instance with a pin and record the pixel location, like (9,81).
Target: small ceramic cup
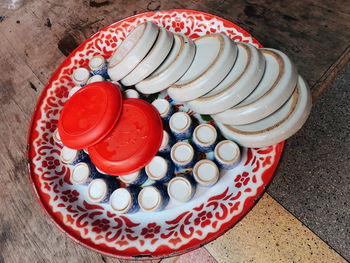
(164,108)
(100,190)
(136,178)
(84,173)
(181,188)
(204,137)
(56,137)
(80,76)
(182,154)
(131,94)
(71,156)
(180,124)
(98,66)
(95,78)
(124,200)
(227,154)
(73,91)
(153,198)
(167,142)
(206,172)
(159,169)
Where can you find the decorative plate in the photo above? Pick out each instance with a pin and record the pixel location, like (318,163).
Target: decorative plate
(177,229)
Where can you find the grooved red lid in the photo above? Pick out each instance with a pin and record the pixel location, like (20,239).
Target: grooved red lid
(90,114)
(133,141)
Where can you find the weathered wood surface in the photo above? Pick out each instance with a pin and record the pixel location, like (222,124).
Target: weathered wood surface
(34,41)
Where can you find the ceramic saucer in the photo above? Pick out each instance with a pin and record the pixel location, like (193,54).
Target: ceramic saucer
(278,126)
(239,83)
(174,66)
(215,56)
(132,50)
(153,59)
(276,86)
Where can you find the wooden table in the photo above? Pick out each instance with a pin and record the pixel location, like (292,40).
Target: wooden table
(36,38)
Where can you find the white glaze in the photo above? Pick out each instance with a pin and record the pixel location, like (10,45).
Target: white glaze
(180,121)
(149,198)
(131,94)
(96,62)
(132,50)
(276,86)
(238,84)
(215,56)
(205,134)
(153,59)
(80,173)
(180,189)
(206,172)
(68,155)
(162,106)
(174,66)
(73,91)
(97,190)
(276,127)
(95,78)
(182,153)
(80,76)
(120,200)
(157,168)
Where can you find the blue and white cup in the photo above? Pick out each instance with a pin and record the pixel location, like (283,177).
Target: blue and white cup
(98,66)
(182,155)
(136,178)
(227,154)
(164,108)
(167,142)
(153,198)
(204,137)
(125,200)
(100,190)
(95,78)
(72,156)
(84,173)
(160,169)
(181,126)
(57,137)
(73,91)
(181,188)
(206,172)
(131,94)
(80,76)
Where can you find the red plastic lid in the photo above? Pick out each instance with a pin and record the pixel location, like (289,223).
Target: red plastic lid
(90,114)
(133,141)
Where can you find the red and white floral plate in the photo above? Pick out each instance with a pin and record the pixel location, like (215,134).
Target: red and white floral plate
(177,229)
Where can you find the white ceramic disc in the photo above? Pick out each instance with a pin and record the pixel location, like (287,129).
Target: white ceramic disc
(80,76)
(149,198)
(206,172)
(278,126)
(95,78)
(214,58)
(80,173)
(68,155)
(239,83)
(174,66)
(182,153)
(128,178)
(157,168)
(180,189)
(120,200)
(132,50)
(97,190)
(73,91)
(131,94)
(154,58)
(276,86)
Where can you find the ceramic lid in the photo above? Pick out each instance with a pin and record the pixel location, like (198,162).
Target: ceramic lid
(173,67)
(133,141)
(276,86)
(278,126)
(90,114)
(153,59)
(215,56)
(238,84)
(132,50)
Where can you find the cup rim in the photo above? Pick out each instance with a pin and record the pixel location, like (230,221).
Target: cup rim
(201,181)
(172,153)
(157,205)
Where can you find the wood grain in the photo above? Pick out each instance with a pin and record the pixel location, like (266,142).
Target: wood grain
(36,38)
